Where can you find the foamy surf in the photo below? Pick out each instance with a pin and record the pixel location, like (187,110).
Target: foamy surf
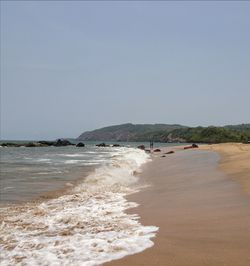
(89,226)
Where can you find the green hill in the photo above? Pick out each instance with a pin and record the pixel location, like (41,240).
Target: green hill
(169,133)
(127,132)
(212,134)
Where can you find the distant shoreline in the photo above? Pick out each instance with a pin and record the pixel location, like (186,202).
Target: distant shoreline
(169,133)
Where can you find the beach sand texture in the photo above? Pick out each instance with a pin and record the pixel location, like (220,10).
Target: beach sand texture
(203,215)
(235,161)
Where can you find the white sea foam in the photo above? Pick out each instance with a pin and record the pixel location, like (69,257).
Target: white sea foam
(73,161)
(8,188)
(49,172)
(73,155)
(85,162)
(43,160)
(87,227)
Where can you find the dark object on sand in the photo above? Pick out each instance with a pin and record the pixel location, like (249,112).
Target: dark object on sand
(142,147)
(116,145)
(163,156)
(80,144)
(169,152)
(157,150)
(188,147)
(191,147)
(101,145)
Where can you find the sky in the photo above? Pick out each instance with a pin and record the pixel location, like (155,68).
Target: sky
(72,66)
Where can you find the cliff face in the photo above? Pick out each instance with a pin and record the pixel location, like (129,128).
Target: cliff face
(169,133)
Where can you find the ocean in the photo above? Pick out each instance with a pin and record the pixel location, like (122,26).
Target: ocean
(66,205)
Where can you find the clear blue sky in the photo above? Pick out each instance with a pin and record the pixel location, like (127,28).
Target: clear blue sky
(67,67)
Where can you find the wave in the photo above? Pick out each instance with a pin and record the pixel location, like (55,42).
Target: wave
(43,160)
(89,226)
(73,155)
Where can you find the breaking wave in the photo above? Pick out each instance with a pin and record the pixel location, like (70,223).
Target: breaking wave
(88,226)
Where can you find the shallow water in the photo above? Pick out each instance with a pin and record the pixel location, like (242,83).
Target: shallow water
(85,226)
(29,173)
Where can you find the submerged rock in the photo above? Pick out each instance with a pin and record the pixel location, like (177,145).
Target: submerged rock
(63,142)
(101,145)
(142,147)
(47,143)
(9,144)
(33,144)
(41,143)
(116,145)
(80,144)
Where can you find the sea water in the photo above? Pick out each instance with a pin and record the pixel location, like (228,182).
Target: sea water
(85,225)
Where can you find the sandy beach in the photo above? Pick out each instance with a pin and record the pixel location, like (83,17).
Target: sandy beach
(234,161)
(199,199)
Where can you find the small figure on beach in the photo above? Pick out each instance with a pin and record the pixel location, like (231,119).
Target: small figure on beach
(151,144)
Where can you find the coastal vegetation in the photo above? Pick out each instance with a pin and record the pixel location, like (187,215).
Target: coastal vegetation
(170,133)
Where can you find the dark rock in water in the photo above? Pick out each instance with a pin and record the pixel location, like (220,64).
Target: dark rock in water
(30,144)
(42,143)
(157,150)
(116,145)
(46,143)
(169,152)
(62,142)
(101,145)
(33,144)
(80,144)
(142,147)
(10,144)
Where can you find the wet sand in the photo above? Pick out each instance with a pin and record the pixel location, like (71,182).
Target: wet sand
(202,213)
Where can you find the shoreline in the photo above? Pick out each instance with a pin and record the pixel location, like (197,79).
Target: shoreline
(202,212)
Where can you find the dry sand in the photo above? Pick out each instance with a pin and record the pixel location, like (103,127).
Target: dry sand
(203,215)
(235,161)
